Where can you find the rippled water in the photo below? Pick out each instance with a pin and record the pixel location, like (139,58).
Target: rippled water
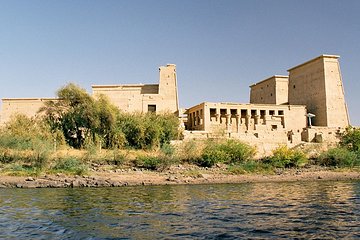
(306,210)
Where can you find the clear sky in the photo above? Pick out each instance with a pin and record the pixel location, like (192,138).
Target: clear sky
(220,47)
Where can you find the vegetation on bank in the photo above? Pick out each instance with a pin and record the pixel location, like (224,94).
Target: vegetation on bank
(78,133)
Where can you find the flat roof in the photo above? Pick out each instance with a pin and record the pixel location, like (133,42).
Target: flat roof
(267,79)
(123,85)
(314,59)
(246,104)
(27,99)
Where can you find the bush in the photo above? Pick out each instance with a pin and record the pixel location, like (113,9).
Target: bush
(148,131)
(251,166)
(238,151)
(229,152)
(189,151)
(351,139)
(211,156)
(339,157)
(167,149)
(21,170)
(24,133)
(118,157)
(70,165)
(159,163)
(283,157)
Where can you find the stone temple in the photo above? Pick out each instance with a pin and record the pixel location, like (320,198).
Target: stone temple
(308,105)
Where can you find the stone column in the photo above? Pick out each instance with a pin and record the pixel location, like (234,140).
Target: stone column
(217,115)
(238,123)
(228,124)
(256,117)
(190,122)
(265,116)
(247,121)
(256,121)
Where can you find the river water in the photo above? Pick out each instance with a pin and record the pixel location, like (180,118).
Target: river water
(294,210)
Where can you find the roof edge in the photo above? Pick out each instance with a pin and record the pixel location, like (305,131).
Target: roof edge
(123,85)
(20,99)
(269,78)
(314,59)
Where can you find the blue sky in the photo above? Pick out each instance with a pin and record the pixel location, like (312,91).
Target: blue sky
(220,47)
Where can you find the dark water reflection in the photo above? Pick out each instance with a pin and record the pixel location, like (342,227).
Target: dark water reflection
(308,210)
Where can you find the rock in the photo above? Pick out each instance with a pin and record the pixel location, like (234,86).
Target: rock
(114,183)
(18,185)
(56,184)
(319,177)
(171,179)
(29,185)
(29,179)
(78,183)
(102,183)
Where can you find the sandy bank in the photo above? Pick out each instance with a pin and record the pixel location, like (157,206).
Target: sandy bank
(134,177)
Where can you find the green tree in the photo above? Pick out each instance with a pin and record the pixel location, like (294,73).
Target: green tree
(107,127)
(74,113)
(351,139)
(84,120)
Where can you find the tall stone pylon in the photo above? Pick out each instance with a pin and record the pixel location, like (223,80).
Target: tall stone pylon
(318,85)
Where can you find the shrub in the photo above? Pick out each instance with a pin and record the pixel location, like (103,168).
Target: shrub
(159,163)
(9,156)
(189,151)
(251,166)
(167,149)
(70,165)
(148,131)
(17,169)
(229,152)
(118,157)
(351,139)
(238,151)
(211,156)
(24,133)
(340,157)
(283,157)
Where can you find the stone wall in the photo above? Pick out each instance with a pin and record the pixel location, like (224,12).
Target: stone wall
(253,123)
(318,85)
(273,90)
(236,117)
(143,98)
(26,106)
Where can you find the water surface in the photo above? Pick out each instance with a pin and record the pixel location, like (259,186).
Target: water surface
(302,210)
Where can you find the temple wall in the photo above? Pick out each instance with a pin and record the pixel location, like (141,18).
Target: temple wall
(318,85)
(26,106)
(273,90)
(143,98)
(235,119)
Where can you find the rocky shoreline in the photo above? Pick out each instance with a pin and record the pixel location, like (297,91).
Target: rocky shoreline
(136,177)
